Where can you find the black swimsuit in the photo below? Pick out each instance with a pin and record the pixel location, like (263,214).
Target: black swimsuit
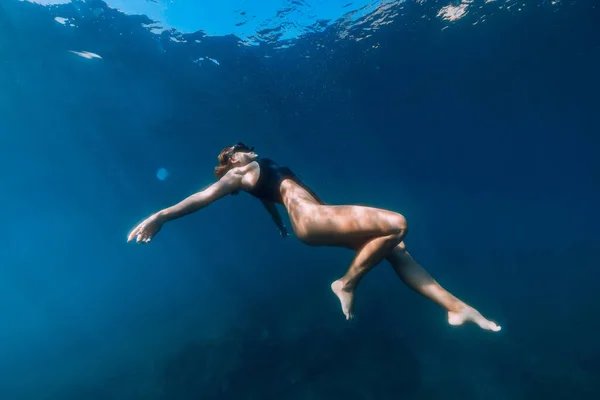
(270,178)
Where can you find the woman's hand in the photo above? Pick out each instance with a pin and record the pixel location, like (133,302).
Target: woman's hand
(283,231)
(147,229)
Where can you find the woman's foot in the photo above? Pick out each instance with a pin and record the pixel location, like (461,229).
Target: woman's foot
(470,314)
(346,298)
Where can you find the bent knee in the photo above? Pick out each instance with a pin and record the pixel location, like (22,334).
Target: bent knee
(399,224)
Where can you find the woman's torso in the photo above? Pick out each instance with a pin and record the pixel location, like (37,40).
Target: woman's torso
(265,182)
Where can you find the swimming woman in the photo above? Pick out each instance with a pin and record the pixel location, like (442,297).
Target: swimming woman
(375,234)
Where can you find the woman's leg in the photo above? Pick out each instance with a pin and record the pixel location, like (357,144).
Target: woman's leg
(418,279)
(375,234)
(378,231)
(367,256)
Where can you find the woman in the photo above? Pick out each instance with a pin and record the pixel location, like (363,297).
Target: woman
(373,233)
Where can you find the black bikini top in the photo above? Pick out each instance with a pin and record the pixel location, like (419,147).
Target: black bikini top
(270,178)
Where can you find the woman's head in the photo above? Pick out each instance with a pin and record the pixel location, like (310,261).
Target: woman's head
(237,155)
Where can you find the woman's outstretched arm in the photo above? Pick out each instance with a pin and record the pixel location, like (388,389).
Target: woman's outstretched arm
(146,230)
(228,184)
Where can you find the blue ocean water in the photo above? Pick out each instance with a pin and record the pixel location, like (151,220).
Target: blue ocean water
(478,120)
